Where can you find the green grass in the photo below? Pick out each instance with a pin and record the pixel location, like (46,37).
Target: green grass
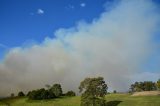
(127,100)
(112,100)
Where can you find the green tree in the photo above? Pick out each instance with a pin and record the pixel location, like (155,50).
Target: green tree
(93,91)
(143,86)
(70,93)
(20,94)
(56,89)
(36,94)
(158,84)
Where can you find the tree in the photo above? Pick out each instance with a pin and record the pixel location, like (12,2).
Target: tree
(40,94)
(70,93)
(47,95)
(20,94)
(37,94)
(158,84)
(93,91)
(56,89)
(143,86)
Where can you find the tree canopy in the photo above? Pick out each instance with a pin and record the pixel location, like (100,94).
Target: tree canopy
(56,89)
(93,91)
(143,86)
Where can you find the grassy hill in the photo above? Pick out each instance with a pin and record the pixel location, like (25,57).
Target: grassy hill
(112,100)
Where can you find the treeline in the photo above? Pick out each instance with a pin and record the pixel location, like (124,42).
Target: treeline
(145,86)
(93,91)
(51,92)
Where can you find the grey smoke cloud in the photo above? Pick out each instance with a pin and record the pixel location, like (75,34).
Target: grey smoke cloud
(113,46)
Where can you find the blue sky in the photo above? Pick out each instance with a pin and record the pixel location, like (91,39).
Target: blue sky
(21,22)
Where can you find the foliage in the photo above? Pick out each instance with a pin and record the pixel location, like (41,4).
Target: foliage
(20,94)
(94,90)
(40,94)
(143,86)
(50,93)
(158,84)
(56,89)
(70,93)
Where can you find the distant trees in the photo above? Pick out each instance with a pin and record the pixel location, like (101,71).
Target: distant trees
(56,89)
(94,90)
(20,94)
(51,92)
(40,94)
(143,86)
(158,84)
(70,93)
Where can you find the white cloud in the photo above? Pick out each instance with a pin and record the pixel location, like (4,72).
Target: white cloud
(113,46)
(40,11)
(83,4)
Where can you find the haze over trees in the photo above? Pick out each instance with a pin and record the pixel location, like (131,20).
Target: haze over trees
(93,91)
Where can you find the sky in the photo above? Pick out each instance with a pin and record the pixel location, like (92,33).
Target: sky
(64,41)
(40,18)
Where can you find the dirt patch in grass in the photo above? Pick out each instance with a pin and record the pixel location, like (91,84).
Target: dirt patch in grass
(146,93)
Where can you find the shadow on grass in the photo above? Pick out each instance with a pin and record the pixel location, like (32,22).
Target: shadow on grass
(113,103)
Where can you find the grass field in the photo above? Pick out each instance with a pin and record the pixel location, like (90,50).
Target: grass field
(112,100)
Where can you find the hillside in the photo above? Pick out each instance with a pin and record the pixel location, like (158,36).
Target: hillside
(112,100)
